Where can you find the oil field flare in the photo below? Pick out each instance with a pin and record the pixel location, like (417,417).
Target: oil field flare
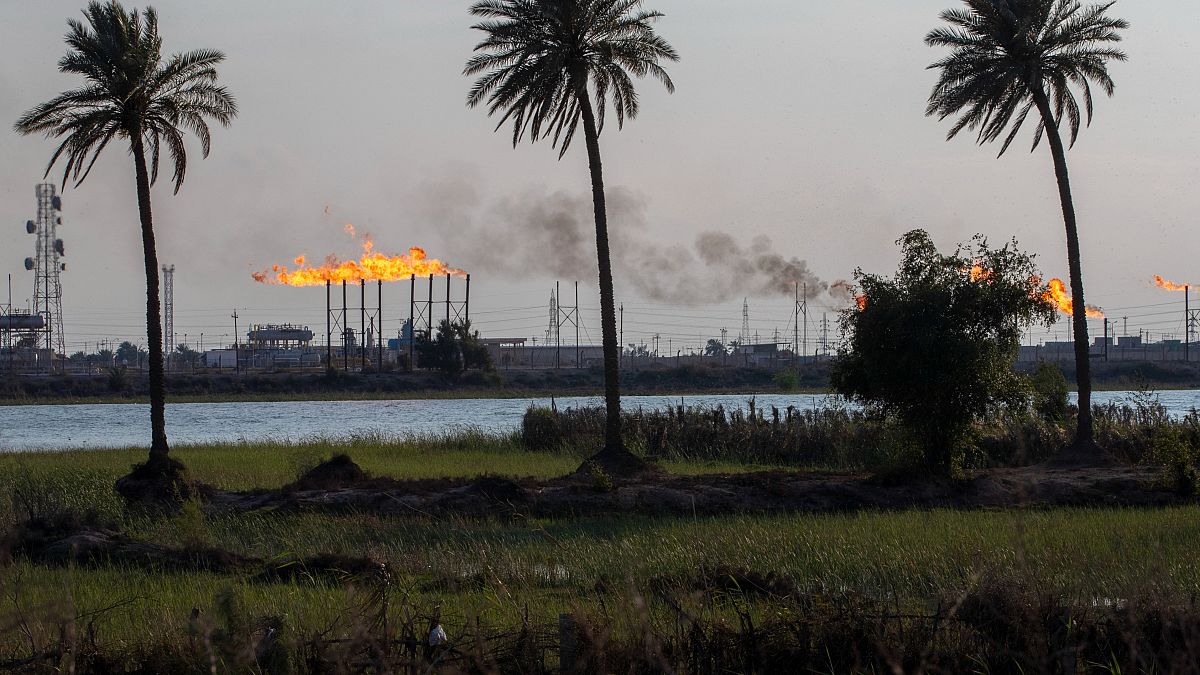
(1170,285)
(372,266)
(1058,296)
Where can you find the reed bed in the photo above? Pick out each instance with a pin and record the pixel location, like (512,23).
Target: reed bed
(845,437)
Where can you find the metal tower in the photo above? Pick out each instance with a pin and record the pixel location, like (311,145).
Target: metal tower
(47,267)
(552,328)
(744,336)
(168,312)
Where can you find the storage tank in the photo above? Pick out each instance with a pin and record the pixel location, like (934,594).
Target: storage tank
(22,322)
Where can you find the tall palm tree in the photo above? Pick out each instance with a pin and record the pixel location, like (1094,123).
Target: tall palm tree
(547,64)
(1007,58)
(131,93)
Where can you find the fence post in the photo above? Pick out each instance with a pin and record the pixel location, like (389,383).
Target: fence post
(568,643)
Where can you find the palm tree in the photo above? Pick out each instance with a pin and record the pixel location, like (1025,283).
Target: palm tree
(1007,58)
(547,64)
(131,93)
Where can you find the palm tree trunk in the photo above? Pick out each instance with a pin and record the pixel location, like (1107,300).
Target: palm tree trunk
(1084,439)
(158,386)
(613,443)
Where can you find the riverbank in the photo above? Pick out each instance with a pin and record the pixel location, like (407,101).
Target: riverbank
(348,386)
(339,386)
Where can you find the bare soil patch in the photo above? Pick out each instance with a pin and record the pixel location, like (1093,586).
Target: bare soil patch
(661,494)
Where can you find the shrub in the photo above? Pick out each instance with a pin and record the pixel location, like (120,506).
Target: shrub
(787,380)
(934,345)
(1050,392)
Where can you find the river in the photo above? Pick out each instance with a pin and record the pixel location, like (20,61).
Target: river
(56,427)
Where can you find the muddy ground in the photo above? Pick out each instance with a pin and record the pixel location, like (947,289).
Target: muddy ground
(661,494)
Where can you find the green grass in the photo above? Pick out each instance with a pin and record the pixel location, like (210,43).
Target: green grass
(499,570)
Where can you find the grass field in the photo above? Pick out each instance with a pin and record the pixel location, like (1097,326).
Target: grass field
(509,572)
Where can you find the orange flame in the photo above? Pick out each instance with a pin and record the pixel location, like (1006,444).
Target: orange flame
(978,273)
(861,301)
(1058,296)
(371,267)
(1169,285)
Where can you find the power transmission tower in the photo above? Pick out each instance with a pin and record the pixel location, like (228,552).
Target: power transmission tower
(568,315)
(47,267)
(552,328)
(744,336)
(801,311)
(169,312)
(825,334)
(1191,316)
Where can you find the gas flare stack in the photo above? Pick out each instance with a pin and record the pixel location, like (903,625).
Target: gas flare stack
(34,339)
(370,344)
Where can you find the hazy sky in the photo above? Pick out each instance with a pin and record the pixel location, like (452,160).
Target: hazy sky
(802,122)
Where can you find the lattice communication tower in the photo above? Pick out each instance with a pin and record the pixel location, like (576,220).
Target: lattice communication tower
(47,267)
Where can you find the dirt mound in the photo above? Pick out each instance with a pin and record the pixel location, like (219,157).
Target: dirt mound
(1085,455)
(336,472)
(662,494)
(501,490)
(160,483)
(60,542)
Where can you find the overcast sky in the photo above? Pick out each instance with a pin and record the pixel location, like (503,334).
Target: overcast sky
(802,122)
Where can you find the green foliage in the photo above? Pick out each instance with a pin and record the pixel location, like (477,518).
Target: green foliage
(787,380)
(1050,392)
(454,349)
(130,92)
(535,62)
(601,481)
(128,354)
(1170,449)
(934,345)
(1004,55)
(540,430)
(118,378)
(190,524)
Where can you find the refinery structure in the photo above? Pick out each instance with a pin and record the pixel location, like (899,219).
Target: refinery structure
(368,329)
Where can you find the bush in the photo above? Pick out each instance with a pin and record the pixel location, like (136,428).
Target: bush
(787,380)
(1049,392)
(934,345)
(118,378)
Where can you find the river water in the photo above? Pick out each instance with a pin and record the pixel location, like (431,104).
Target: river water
(55,427)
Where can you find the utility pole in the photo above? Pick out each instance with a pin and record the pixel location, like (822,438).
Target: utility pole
(621,341)
(578,353)
(237,359)
(825,333)
(169,312)
(1106,339)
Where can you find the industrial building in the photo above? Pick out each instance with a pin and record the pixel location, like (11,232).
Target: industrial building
(268,346)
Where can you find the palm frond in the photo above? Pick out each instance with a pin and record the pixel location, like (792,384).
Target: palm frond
(130,92)
(539,58)
(1005,52)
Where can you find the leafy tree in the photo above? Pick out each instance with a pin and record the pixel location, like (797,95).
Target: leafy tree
(454,349)
(188,356)
(131,93)
(638,351)
(1007,58)
(127,353)
(714,348)
(545,65)
(934,346)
